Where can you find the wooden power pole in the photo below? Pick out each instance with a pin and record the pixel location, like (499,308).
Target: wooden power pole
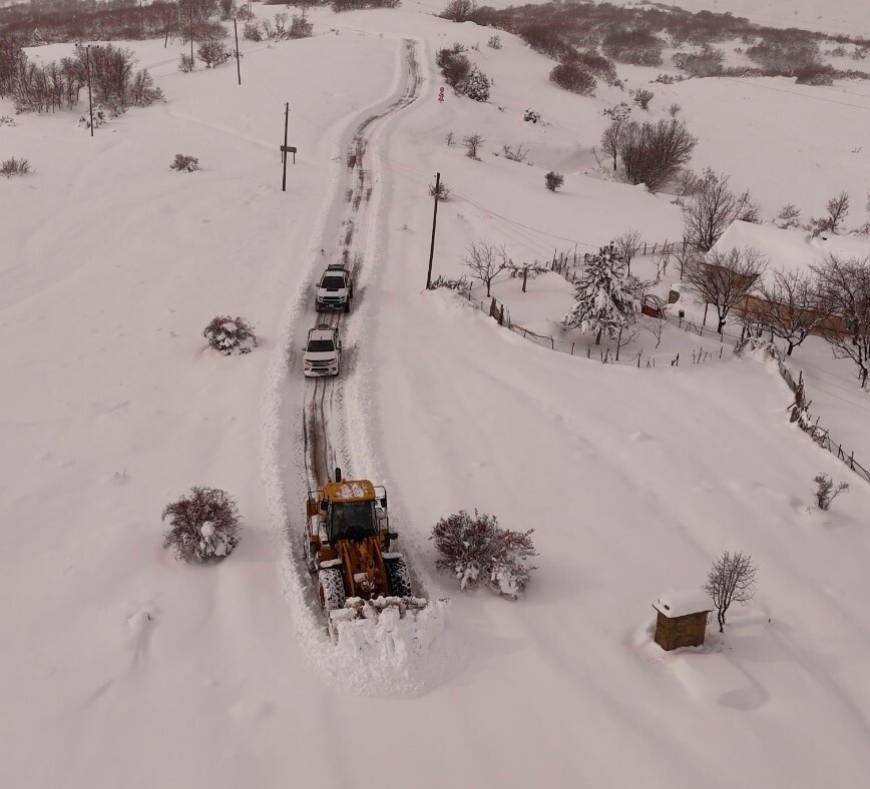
(434,222)
(238,65)
(90,98)
(285,149)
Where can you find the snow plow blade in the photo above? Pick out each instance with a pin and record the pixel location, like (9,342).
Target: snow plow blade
(384,622)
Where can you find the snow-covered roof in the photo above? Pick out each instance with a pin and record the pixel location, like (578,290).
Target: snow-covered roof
(680,602)
(790,250)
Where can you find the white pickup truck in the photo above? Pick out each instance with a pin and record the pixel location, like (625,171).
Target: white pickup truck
(334,289)
(322,352)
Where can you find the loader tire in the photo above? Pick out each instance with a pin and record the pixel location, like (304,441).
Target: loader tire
(332,594)
(398,577)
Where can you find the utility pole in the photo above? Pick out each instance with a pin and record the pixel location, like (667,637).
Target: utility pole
(90,100)
(238,65)
(434,221)
(285,149)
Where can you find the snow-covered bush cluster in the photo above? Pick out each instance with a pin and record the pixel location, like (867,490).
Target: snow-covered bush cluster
(573,77)
(7,120)
(184,163)
(230,335)
(14,166)
(204,524)
(553,180)
(458,72)
(213,53)
(474,548)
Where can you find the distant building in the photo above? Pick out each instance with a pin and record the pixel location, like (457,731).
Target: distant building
(681,619)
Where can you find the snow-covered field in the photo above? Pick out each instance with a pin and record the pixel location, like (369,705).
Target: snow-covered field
(122,666)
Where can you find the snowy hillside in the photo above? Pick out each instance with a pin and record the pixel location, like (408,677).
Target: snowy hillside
(123,666)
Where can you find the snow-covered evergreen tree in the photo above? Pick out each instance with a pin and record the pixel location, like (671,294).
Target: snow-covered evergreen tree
(475,85)
(606,296)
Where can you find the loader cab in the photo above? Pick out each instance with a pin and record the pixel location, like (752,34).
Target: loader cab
(349,509)
(354,521)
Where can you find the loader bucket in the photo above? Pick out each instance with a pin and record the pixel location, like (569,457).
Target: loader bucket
(387,625)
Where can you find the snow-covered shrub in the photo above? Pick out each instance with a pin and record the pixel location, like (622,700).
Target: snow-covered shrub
(475,549)
(816,74)
(494,42)
(204,524)
(300,27)
(643,97)
(788,217)
(518,154)
(244,13)
(639,47)
(252,32)
(100,119)
(143,92)
(553,180)
(826,491)
(184,163)
(706,62)
(459,10)
(573,77)
(14,166)
(230,335)
(443,190)
(213,53)
(461,285)
(532,116)
(475,85)
(186,64)
(7,120)
(455,67)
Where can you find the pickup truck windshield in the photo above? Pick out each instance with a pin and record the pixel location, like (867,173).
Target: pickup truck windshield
(352,521)
(333,283)
(320,346)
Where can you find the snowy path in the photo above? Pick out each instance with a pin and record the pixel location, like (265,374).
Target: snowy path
(328,433)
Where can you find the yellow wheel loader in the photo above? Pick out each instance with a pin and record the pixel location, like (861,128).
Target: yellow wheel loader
(347,546)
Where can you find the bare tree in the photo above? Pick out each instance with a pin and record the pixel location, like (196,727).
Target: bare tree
(792,308)
(731,580)
(610,140)
(653,153)
(485,262)
(845,288)
(472,145)
(837,208)
(713,207)
(627,246)
(723,279)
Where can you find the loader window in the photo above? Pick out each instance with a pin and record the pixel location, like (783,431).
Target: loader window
(332,283)
(320,346)
(352,521)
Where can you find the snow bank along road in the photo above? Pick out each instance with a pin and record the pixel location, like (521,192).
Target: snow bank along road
(328,434)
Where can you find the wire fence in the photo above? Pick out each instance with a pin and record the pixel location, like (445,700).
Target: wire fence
(799,410)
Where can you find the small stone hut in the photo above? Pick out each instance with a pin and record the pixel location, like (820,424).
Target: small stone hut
(681,619)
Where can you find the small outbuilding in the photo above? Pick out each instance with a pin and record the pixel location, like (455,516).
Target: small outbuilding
(681,619)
